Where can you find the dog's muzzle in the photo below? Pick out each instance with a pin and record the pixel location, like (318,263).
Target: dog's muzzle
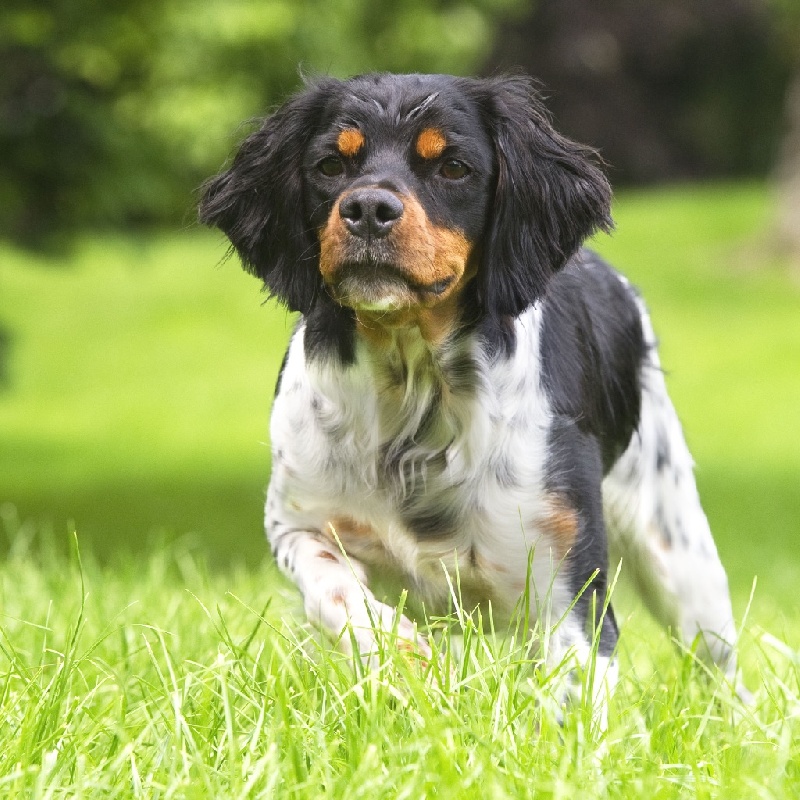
(379,251)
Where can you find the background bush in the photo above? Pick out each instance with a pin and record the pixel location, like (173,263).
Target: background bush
(112,114)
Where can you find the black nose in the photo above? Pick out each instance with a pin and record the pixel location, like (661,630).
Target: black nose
(370,213)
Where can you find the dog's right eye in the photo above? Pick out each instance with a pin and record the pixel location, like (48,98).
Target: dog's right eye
(331,166)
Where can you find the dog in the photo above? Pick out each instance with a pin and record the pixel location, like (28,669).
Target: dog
(470,396)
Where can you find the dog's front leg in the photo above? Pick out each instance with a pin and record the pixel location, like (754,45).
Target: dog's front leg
(335,593)
(583,675)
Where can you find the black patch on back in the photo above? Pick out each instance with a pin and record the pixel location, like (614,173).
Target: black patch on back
(592,352)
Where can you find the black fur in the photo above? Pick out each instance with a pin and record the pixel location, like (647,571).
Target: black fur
(592,349)
(259,201)
(549,196)
(575,473)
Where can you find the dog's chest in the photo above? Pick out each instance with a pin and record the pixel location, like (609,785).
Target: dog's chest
(420,468)
(460,501)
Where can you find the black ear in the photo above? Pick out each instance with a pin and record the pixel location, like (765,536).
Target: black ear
(258,202)
(550,195)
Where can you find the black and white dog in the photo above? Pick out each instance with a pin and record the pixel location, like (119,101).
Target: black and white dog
(468,392)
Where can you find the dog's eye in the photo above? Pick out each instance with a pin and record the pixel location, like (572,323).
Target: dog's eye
(331,166)
(452,169)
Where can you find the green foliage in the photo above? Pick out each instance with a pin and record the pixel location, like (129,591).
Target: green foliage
(68,149)
(115,113)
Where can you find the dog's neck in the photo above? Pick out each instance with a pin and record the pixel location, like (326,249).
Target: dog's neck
(425,387)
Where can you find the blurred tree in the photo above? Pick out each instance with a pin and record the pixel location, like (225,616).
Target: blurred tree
(111,113)
(667,89)
(67,65)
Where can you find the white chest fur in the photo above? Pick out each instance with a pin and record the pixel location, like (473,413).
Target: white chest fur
(421,463)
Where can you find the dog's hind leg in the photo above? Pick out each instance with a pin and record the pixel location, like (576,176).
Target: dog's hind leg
(658,528)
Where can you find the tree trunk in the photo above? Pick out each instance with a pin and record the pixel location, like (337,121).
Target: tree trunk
(788,177)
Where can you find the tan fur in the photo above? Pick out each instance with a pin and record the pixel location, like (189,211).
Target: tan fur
(350,141)
(560,526)
(431,143)
(348,527)
(339,597)
(332,240)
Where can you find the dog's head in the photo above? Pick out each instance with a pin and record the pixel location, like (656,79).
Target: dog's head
(385,193)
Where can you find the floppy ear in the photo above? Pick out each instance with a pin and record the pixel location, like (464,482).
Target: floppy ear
(258,202)
(550,195)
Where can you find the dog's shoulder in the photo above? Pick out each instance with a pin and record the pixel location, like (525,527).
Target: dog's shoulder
(593,348)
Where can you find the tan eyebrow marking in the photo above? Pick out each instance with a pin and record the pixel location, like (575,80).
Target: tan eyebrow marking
(431,143)
(350,141)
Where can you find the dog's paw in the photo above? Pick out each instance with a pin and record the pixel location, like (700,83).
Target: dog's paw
(361,624)
(384,632)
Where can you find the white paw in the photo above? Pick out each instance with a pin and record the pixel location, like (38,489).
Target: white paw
(357,621)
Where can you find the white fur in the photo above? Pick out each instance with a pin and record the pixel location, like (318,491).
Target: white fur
(319,476)
(657,526)
(337,435)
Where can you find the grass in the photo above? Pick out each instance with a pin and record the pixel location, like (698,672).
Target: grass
(157,678)
(139,386)
(157,654)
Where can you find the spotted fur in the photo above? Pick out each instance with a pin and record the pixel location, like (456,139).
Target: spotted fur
(482,401)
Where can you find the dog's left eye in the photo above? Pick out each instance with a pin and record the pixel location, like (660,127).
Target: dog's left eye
(452,169)
(331,166)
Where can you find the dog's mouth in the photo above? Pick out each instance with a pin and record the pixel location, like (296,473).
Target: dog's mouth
(380,286)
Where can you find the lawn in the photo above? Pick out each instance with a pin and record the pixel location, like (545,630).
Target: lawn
(149,649)
(139,387)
